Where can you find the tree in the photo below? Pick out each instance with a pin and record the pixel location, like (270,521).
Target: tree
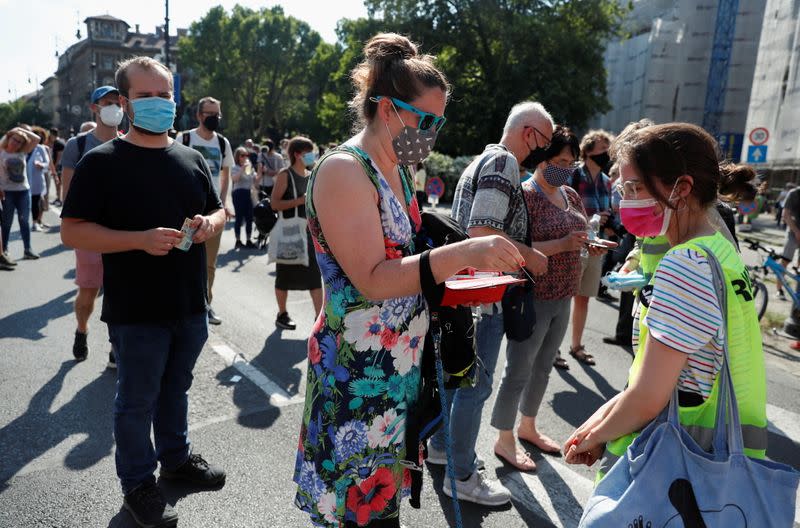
(267,68)
(21,111)
(497,53)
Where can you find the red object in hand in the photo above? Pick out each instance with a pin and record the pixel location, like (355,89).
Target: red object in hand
(484,289)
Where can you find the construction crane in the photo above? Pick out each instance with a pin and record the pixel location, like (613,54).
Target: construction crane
(718,68)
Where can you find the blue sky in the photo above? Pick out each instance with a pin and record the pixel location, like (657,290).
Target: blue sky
(32,30)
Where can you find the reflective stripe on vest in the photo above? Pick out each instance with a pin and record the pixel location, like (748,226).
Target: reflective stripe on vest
(747,364)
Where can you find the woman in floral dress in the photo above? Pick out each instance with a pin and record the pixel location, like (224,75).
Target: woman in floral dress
(365,349)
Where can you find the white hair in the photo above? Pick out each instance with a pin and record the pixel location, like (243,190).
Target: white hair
(523,113)
(87,126)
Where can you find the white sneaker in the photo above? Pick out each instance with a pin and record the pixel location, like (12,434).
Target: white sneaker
(479,489)
(37,228)
(439,458)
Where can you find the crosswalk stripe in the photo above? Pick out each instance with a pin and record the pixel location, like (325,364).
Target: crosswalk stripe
(277,396)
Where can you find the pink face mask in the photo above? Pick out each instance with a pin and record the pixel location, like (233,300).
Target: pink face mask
(644,218)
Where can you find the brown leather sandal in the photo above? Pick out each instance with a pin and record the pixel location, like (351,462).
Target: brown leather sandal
(560,363)
(579,353)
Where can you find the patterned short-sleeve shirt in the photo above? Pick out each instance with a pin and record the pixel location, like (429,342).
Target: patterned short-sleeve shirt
(497,201)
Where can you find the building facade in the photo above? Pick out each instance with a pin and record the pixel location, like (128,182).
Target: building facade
(91,62)
(772,140)
(660,72)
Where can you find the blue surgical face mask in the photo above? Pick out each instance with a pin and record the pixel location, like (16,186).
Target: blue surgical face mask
(309,158)
(154,114)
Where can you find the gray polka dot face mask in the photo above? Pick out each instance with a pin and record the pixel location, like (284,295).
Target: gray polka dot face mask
(412,145)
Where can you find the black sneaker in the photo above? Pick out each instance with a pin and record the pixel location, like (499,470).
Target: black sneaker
(30,255)
(148,507)
(80,349)
(250,245)
(212,318)
(781,295)
(238,245)
(196,471)
(284,321)
(112,361)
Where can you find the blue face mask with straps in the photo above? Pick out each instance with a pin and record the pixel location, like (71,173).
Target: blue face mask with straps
(154,114)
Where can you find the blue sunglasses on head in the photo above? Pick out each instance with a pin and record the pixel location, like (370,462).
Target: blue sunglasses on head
(427,120)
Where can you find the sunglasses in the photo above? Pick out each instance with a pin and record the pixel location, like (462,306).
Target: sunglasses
(427,121)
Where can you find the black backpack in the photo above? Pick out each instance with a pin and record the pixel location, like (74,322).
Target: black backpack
(264,216)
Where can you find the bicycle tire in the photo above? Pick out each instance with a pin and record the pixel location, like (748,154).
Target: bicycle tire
(760,298)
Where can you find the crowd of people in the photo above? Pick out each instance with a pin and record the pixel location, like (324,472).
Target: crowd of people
(653,199)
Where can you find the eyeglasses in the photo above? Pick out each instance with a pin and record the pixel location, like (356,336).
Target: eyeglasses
(537,131)
(427,120)
(628,190)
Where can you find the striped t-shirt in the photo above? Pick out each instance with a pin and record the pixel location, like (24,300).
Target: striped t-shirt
(684,314)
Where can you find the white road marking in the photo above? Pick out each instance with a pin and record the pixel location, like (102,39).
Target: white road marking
(783,422)
(277,396)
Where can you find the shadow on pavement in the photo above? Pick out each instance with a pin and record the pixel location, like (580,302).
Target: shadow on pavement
(280,358)
(472,514)
(173,493)
(28,323)
(88,413)
(239,257)
(55,250)
(576,407)
(255,410)
(600,382)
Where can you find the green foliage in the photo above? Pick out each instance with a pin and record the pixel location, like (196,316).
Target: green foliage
(269,70)
(275,76)
(21,111)
(497,53)
(448,169)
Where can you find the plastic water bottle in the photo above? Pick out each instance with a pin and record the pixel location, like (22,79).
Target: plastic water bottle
(591,232)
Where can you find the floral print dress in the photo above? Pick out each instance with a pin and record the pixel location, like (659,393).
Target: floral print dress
(363,376)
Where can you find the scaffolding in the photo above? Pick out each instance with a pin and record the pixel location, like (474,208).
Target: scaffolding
(775,101)
(661,71)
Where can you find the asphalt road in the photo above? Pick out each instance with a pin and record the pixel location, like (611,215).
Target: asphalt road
(56,444)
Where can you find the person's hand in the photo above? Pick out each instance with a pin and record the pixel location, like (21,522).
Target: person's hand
(203,229)
(588,457)
(536,262)
(228,214)
(604,216)
(575,240)
(2,195)
(160,241)
(493,253)
(627,268)
(595,251)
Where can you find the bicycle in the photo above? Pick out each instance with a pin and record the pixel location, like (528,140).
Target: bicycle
(770,263)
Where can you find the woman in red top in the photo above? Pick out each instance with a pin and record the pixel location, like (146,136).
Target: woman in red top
(558,229)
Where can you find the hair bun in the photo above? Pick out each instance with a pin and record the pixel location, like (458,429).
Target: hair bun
(736,181)
(389,46)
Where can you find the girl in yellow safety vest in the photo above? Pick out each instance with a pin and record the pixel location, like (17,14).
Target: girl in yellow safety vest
(670,178)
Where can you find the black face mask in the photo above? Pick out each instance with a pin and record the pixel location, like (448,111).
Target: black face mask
(211,122)
(602,160)
(537,155)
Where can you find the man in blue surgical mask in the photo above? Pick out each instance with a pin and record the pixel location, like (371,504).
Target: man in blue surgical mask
(147,203)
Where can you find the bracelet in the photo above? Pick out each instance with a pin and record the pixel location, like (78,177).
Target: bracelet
(432,292)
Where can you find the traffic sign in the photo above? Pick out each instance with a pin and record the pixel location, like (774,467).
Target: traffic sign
(434,187)
(757,154)
(759,136)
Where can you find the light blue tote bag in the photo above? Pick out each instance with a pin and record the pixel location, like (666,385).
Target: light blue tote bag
(665,480)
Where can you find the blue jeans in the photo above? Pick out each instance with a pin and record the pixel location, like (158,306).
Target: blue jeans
(154,373)
(243,206)
(466,405)
(19,202)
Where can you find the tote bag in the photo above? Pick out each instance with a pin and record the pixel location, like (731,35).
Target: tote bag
(288,242)
(666,480)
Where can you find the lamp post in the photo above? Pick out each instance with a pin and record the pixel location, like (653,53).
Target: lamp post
(166,33)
